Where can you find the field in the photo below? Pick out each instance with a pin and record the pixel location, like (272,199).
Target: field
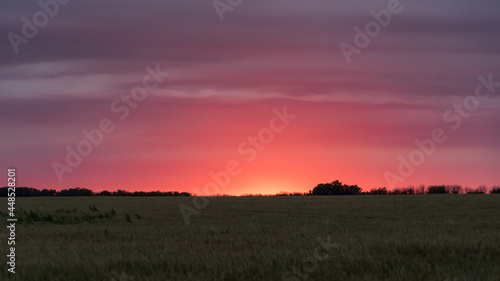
(418,237)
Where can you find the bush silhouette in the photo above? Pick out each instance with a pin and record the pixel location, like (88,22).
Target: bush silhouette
(454,189)
(436,189)
(482,189)
(402,191)
(379,191)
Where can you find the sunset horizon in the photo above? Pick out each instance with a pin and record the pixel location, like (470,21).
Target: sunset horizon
(163,109)
(250,140)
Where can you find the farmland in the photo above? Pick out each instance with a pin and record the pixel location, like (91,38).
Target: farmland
(418,237)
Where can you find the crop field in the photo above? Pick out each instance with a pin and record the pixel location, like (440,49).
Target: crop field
(418,237)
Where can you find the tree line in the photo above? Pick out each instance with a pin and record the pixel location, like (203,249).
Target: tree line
(337,188)
(77,191)
(333,188)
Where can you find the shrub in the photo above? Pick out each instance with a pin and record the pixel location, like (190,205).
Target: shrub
(495,189)
(454,189)
(93,208)
(436,189)
(402,191)
(379,191)
(33,217)
(482,189)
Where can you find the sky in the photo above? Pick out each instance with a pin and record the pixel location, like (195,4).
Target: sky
(255,96)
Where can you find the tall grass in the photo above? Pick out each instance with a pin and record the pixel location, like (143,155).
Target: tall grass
(66,216)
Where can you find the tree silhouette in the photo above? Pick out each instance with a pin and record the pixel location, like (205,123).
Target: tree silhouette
(436,189)
(335,188)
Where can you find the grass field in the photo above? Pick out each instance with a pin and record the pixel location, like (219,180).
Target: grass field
(418,237)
